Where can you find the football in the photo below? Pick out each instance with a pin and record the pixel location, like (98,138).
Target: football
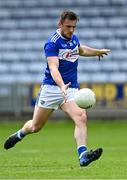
(85,98)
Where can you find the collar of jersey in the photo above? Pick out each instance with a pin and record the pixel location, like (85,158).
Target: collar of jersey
(58,32)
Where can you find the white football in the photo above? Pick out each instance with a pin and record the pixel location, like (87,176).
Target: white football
(85,98)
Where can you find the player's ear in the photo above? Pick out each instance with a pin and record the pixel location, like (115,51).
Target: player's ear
(59,24)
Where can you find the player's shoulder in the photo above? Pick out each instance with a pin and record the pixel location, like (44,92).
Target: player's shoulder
(51,42)
(54,38)
(75,37)
(75,40)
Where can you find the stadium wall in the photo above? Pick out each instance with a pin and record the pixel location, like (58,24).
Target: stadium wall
(18,100)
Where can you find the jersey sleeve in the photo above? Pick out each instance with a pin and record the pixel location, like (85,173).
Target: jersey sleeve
(51,49)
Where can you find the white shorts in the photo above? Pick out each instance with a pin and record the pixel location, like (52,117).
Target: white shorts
(50,96)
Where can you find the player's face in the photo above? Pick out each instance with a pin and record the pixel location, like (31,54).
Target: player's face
(67,28)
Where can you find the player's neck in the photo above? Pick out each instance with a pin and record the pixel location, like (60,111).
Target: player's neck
(62,36)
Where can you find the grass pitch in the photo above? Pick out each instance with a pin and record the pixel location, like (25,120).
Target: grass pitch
(52,154)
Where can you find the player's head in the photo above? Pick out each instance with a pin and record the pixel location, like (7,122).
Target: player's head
(67,23)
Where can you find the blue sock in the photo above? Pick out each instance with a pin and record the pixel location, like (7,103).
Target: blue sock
(20,134)
(81,150)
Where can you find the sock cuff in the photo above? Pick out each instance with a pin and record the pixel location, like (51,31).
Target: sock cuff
(81,146)
(81,150)
(20,134)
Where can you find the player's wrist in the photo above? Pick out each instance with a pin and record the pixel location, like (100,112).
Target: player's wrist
(62,86)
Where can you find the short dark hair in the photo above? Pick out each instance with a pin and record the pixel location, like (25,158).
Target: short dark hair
(68,15)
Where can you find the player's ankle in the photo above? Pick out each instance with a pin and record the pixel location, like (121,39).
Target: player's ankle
(20,134)
(81,150)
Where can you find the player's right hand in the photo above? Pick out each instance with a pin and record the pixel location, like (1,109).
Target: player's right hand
(64,90)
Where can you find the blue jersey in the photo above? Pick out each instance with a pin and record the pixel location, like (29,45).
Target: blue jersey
(67,53)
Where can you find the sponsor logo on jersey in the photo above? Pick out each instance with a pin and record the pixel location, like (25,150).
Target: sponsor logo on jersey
(69,54)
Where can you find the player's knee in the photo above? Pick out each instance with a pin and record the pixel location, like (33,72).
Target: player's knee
(82,118)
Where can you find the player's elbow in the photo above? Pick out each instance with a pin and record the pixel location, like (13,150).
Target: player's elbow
(53,69)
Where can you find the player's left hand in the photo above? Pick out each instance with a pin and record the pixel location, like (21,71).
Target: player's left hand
(102,52)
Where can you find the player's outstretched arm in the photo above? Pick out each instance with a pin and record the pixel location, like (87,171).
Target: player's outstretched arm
(88,51)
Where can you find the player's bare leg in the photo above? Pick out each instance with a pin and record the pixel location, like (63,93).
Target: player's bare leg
(80,133)
(80,119)
(40,117)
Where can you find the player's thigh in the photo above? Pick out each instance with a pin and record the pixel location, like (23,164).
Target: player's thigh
(41,115)
(75,112)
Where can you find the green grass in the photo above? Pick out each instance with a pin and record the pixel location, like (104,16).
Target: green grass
(52,154)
